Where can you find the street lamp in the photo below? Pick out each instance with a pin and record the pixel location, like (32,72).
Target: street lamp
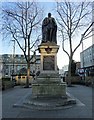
(13,58)
(82,36)
(83,56)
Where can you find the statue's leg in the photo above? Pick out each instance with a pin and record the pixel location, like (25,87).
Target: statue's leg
(51,35)
(54,36)
(45,36)
(48,35)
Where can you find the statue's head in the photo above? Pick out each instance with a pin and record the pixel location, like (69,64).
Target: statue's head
(49,14)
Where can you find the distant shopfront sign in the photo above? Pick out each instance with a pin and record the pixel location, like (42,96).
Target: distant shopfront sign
(81,71)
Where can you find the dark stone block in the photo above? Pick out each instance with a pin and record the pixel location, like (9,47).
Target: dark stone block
(48,63)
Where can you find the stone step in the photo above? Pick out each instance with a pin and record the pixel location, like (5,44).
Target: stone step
(50,75)
(48,79)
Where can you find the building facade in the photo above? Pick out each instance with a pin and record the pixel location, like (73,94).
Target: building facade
(65,68)
(10,65)
(87,58)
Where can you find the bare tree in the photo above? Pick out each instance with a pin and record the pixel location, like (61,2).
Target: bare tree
(22,20)
(73,18)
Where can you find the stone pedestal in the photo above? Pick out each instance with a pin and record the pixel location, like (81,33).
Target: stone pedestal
(48,83)
(48,57)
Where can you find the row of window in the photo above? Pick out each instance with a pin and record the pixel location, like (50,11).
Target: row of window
(8,69)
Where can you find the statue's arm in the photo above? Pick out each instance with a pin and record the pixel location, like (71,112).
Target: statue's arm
(45,22)
(54,22)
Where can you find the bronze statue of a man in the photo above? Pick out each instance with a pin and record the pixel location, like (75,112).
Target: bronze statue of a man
(49,29)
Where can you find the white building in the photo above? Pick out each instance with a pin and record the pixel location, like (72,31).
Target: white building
(10,65)
(65,68)
(87,57)
(61,71)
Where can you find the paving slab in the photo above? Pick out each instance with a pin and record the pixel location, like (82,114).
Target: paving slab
(83,108)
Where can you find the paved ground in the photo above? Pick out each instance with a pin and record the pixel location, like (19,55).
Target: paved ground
(83,108)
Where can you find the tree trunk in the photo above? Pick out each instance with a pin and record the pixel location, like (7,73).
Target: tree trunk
(69,71)
(28,75)
(28,65)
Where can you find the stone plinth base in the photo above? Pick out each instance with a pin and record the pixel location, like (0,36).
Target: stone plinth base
(48,90)
(45,103)
(48,86)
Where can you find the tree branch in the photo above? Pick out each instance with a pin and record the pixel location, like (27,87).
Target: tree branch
(82,37)
(63,44)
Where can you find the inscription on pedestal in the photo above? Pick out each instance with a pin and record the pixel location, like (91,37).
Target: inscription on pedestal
(49,63)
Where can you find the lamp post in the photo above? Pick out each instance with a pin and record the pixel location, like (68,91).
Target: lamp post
(82,36)
(83,58)
(13,58)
